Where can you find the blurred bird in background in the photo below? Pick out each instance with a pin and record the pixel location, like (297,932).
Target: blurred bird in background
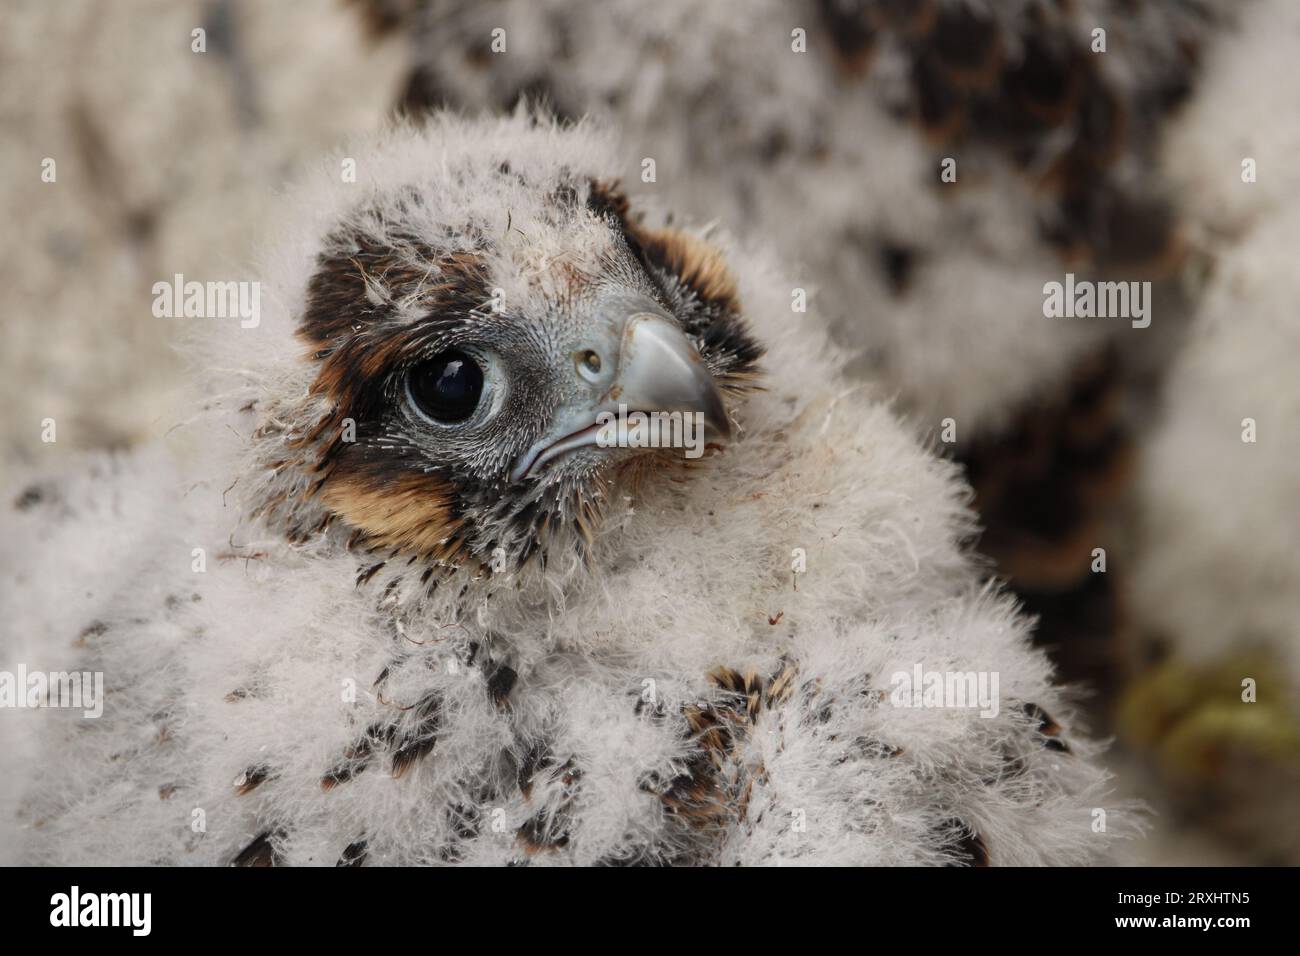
(1214,590)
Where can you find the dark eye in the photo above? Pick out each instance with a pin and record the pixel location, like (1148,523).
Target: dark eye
(447,387)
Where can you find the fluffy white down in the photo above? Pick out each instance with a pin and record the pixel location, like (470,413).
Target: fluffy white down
(686,578)
(1220,568)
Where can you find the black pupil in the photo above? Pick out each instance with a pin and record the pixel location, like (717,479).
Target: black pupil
(448,386)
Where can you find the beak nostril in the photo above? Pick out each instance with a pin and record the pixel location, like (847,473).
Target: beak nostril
(643,365)
(589,364)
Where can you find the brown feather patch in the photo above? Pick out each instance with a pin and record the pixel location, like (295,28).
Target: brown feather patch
(405,512)
(696,264)
(261,852)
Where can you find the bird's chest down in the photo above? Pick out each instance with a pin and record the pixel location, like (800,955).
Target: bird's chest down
(468,754)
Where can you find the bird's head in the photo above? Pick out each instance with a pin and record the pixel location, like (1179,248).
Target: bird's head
(460,371)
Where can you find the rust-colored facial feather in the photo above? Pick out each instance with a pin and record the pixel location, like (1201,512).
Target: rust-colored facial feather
(699,271)
(696,264)
(404,512)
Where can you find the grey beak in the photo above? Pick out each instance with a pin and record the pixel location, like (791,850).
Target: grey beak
(660,371)
(654,368)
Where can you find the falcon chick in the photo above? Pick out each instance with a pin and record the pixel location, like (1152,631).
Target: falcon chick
(386,599)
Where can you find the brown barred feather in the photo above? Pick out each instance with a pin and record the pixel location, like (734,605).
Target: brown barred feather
(500,681)
(354,854)
(548,829)
(1048,727)
(251,779)
(713,789)
(357,757)
(262,851)
(420,739)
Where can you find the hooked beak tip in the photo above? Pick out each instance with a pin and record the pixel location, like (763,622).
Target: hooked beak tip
(658,371)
